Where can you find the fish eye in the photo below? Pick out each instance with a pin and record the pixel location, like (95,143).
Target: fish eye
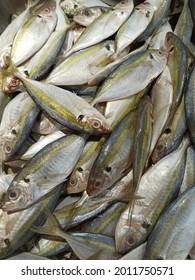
(80,117)
(107,47)
(46,10)
(87,12)
(80,169)
(168,130)
(6,241)
(13,194)
(159,147)
(98,183)
(7,148)
(148,14)
(151,56)
(131,240)
(14,82)
(73,181)
(146,225)
(75,6)
(108,168)
(96,123)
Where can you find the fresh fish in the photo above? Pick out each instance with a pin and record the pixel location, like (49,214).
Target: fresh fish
(178,66)
(66,107)
(134,26)
(174,234)
(17,120)
(161,98)
(25,42)
(80,175)
(184,26)
(115,158)
(80,67)
(17,229)
(9,33)
(104,26)
(132,76)
(45,57)
(142,138)
(161,8)
(172,134)
(189,105)
(158,186)
(47,169)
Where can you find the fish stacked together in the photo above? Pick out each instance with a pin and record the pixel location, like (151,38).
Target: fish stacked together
(97,130)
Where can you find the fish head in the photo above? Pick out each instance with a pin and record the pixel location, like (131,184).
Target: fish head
(11,84)
(6,147)
(96,185)
(147,9)
(78,181)
(71,6)
(87,15)
(48,15)
(17,198)
(159,56)
(130,232)
(95,120)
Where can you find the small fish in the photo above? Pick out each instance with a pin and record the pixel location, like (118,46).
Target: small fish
(81,66)
(174,234)
(134,26)
(132,76)
(43,172)
(65,107)
(115,157)
(104,26)
(25,42)
(17,120)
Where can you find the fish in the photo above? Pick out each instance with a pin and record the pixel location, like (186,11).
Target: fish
(65,107)
(161,9)
(128,75)
(184,26)
(134,26)
(114,159)
(16,123)
(42,61)
(104,26)
(158,186)
(43,172)
(81,66)
(142,138)
(161,98)
(17,228)
(79,177)
(171,135)
(25,43)
(173,235)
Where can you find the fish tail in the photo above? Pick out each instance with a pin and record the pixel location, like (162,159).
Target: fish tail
(51,228)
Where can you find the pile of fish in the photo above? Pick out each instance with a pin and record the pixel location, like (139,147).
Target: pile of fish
(97,131)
